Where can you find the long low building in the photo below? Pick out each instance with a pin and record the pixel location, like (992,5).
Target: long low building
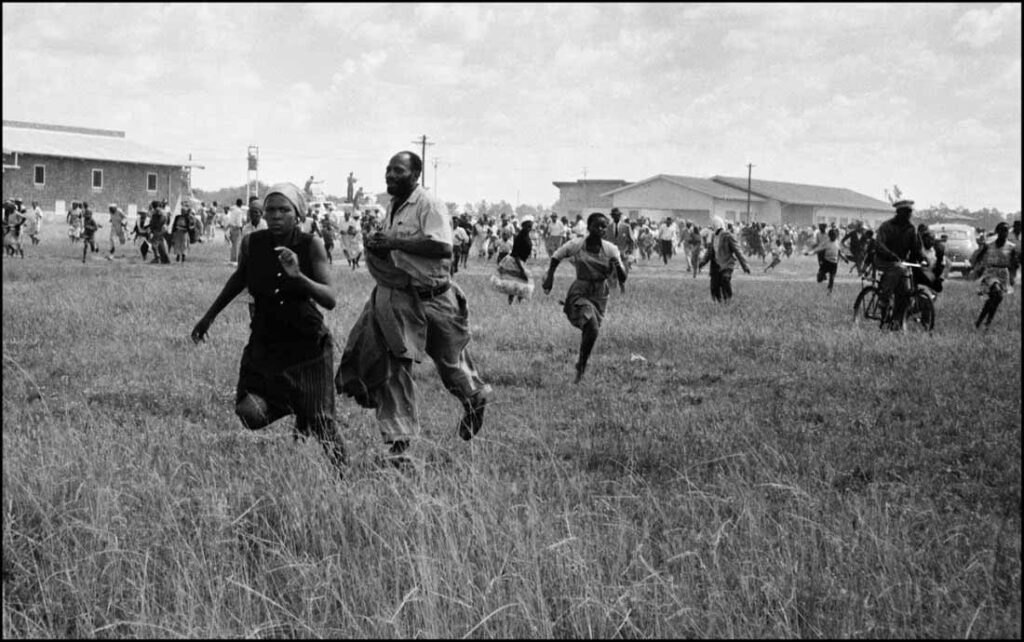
(698,199)
(801,204)
(58,166)
(684,198)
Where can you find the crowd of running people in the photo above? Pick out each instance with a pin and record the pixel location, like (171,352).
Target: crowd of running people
(507,242)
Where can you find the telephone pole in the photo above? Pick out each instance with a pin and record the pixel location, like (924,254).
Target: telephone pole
(436,159)
(423,156)
(749,169)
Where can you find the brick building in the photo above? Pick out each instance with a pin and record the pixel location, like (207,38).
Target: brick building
(58,165)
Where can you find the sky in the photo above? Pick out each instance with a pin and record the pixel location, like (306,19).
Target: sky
(516,96)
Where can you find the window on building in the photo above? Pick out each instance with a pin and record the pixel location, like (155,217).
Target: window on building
(150,182)
(634,214)
(730,215)
(40,175)
(97,179)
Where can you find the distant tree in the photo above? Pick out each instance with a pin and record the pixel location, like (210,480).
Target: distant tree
(226,195)
(501,208)
(535,211)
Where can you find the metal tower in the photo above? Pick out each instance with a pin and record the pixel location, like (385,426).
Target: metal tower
(252,177)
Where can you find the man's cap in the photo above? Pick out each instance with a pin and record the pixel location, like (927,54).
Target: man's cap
(526,218)
(903,202)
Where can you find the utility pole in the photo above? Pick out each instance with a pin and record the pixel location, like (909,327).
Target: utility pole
(435,174)
(749,169)
(584,173)
(423,156)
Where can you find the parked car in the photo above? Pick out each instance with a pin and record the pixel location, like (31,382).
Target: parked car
(961,244)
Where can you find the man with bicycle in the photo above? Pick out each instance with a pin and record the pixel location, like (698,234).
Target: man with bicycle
(897,240)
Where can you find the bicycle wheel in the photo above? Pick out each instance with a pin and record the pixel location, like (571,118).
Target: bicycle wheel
(865,308)
(920,314)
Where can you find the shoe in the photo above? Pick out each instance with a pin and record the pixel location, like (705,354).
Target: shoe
(473,419)
(579,373)
(395,457)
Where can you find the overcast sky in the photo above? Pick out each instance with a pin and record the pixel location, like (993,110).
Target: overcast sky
(927,96)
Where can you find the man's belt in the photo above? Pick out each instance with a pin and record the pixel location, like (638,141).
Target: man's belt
(430,293)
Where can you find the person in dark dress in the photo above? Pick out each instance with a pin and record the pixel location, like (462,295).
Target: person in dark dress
(287,367)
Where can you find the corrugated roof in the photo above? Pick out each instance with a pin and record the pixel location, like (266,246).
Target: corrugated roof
(702,185)
(589,181)
(68,144)
(800,194)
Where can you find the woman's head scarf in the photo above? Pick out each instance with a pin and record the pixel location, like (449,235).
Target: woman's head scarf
(290,192)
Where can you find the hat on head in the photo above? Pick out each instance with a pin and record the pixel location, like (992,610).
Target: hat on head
(526,219)
(903,202)
(717,222)
(290,192)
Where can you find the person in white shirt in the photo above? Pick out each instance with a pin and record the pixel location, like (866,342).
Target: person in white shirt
(350,233)
(460,244)
(554,234)
(668,234)
(234,222)
(35,223)
(579,228)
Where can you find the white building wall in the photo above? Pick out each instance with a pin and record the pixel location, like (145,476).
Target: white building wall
(845,215)
(770,212)
(663,196)
(736,210)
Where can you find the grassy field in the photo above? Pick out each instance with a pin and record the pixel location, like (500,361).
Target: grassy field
(768,471)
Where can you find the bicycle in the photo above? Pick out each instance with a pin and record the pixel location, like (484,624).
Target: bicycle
(918,307)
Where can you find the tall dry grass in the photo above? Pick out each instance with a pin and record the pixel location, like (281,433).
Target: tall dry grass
(768,471)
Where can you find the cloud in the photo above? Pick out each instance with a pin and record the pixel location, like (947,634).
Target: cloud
(971,133)
(981,27)
(806,92)
(453,22)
